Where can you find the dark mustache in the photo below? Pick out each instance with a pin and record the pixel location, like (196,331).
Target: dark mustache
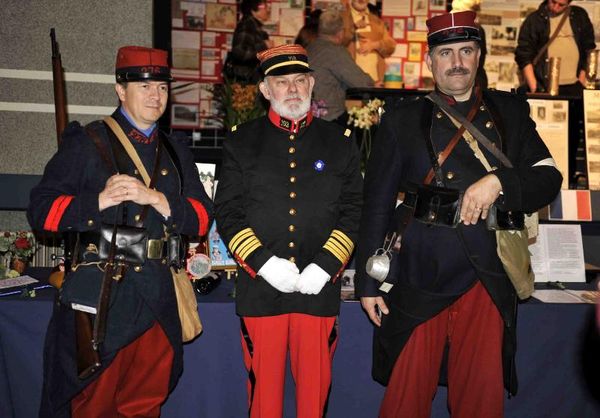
(458,71)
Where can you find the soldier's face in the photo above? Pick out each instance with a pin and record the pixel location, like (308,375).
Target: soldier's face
(289,94)
(144,101)
(454,67)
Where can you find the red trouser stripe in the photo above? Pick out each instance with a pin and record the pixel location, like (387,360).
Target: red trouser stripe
(56,212)
(202,216)
(135,384)
(311,341)
(473,328)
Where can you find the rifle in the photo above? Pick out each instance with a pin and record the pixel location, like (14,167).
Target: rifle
(58,79)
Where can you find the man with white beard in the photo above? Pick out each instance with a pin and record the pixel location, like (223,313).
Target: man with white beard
(288,206)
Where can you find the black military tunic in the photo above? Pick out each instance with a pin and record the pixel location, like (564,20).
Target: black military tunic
(66,200)
(436,265)
(292,190)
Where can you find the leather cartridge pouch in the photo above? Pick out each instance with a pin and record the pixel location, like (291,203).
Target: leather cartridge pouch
(131,244)
(499,220)
(176,251)
(438,205)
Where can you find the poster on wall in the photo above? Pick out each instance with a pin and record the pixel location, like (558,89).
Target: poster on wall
(591,110)
(552,123)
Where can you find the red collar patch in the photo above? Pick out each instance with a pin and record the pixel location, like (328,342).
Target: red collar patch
(137,136)
(287,124)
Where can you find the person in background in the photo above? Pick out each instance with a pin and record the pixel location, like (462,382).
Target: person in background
(334,68)
(288,207)
(142,353)
(571,44)
(448,296)
(367,39)
(309,31)
(249,38)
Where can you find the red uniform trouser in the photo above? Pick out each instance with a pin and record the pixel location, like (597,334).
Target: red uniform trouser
(473,329)
(135,384)
(311,341)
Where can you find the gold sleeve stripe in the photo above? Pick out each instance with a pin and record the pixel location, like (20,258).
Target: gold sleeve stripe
(249,250)
(343,238)
(240,236)
(340,247)
(247,243)
(333,250)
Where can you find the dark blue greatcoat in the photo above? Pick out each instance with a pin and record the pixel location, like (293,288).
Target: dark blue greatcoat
(142,297)
(436,265)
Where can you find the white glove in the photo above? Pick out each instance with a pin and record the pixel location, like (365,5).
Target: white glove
(312,279)
(280,273)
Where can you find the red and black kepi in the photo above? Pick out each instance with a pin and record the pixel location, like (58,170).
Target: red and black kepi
(138,63)
(284,59)
(452,27)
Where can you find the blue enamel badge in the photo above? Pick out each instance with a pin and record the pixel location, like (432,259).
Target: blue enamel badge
(319,165)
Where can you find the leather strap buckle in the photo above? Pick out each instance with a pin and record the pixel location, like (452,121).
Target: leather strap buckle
(155,248)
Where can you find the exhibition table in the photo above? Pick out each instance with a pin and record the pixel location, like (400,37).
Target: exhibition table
(553,379)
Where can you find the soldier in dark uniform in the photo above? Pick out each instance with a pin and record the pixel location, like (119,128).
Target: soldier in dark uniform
(142,352)
(288,207)
(449,290)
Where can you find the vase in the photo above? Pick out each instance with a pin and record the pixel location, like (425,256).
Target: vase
(19,265)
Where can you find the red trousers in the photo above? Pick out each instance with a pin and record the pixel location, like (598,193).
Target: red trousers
(135,384)
(311,341)
(473,329)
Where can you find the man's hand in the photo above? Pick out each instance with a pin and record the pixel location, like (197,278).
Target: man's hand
(121,187)
(280,273)
(312,279)
(374,306)
(367,45)
(478,198)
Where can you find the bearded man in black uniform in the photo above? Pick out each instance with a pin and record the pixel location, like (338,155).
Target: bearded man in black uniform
(142,351)
(288,207)
(449,291)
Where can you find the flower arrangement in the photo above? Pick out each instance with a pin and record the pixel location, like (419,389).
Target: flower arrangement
(318,108)
(237,102)
(19,244)
(365,117)
(16,249)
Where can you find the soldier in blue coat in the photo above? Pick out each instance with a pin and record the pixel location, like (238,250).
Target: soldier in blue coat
(450,296)
(142,353)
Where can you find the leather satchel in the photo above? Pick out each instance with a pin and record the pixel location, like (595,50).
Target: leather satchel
(131,243)
(187,305)
(438,205)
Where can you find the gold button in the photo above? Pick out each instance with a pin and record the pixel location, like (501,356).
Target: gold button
(482,108)
(136,172)
(292,179)
(292,195)
(293,164)
(292,259)
(292,211)
(291,228)
(164,171)
(291,244)
(292,150)
(439,115)
(292,137)
(137,269)
(449,175)
(489,124)
(90,222)
(137,217)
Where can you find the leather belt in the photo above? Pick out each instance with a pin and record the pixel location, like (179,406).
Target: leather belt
(156,249)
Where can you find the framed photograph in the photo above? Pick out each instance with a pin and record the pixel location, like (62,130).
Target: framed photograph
(206,171)
(220,17)
(220,258)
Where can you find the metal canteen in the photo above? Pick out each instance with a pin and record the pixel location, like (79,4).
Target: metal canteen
(378,265)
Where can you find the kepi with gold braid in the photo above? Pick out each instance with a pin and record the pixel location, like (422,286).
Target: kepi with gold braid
(284,59)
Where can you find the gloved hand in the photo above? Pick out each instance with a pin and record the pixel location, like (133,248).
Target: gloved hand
(312,279)
(280,273)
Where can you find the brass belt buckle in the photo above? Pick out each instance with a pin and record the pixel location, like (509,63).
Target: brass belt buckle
(155,248)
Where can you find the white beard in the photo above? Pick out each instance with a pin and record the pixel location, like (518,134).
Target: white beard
(294,112)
